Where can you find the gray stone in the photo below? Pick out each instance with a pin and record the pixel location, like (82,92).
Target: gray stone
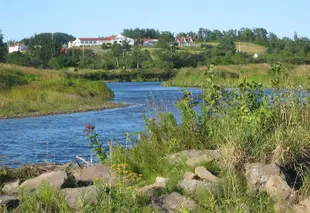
(204,174)
(173,203)
(277,188)
(150,191)
(11,187)
(303,206)
(192,186)
(208,156)
(161,180)
(189,176)
(9,201)
(54,179)
(76,196)
(100,172)
(257,174)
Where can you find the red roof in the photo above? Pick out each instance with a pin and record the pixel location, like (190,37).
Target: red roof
(187,38)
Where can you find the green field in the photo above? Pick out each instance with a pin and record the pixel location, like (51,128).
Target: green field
(31,92)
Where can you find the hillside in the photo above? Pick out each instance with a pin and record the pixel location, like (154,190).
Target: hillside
(246,47)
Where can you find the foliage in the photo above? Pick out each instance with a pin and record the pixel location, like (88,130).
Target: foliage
(94,143)
(3,48)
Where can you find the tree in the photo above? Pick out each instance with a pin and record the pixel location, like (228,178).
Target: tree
(3,48)
(226,46)
(43,47)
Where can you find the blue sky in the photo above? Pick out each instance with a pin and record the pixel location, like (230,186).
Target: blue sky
(92,18)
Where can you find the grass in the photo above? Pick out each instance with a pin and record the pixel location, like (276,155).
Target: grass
(232,75)
(249,127)
(246,47)
(50,93)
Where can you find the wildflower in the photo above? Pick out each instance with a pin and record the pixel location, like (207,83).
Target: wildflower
(88,129)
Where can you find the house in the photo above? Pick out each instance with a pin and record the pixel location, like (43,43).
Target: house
(184,41)
(78,42)
(149,42)
(17,47)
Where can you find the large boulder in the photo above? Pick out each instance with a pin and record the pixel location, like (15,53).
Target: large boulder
(11,187)
(76,196)
(277,188)
(150,191)
(257,174)
(101,172)
(204,174)
(9,202)
(303,206)
(174,202)
(189,176)
(53,179)
(192,186)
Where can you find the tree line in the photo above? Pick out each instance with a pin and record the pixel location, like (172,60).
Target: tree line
(45,50)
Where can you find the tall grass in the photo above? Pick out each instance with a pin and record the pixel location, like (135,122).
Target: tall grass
(29,92)
(233,75)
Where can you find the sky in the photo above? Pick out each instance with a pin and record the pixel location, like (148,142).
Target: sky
(93,18)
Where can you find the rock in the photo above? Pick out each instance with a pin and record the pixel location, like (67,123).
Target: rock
(191,186)
(174,202)
(208,156)
(187,154)
(161,180)
(303,206)
(101,172)
(9,201)
(277,188)
(257,174)
(75,196)
(189,176)
(150,191)
(54,179)
(204,174)
(11,187)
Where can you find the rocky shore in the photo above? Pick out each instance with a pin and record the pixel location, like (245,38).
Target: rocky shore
(79,184)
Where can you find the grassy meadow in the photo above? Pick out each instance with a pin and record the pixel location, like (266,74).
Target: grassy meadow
(32,92)
(232,75)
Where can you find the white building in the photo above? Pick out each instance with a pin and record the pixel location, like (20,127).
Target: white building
(17,47)
(184,41)
(150,42)
(99,41)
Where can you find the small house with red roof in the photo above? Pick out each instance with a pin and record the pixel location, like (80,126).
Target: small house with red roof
(78,42)
(185,41)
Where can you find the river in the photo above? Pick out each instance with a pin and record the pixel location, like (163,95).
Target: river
(60,138)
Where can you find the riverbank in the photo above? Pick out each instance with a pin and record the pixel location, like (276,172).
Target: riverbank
(292,76)
(29,92)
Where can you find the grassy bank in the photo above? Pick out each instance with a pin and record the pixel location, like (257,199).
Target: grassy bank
(138,75)
(31,92)
(232,75)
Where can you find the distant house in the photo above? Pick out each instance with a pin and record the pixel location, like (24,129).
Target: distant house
(17,47)
(186,41)
(255,55)
(78,42)
(149,42)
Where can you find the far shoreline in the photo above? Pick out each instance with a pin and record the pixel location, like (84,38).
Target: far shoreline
(106,106)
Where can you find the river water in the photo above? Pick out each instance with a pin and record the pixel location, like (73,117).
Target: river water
(60,138)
